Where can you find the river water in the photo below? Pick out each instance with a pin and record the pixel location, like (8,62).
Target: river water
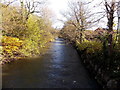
(60,67)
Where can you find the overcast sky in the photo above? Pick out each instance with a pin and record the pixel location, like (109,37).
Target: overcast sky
(58,6)
(61,5)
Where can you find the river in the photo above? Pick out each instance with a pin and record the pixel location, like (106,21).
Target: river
(59,67)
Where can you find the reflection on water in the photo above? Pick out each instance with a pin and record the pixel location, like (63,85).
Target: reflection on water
(59,67)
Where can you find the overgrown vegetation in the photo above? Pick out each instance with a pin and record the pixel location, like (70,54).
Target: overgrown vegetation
(23,37)
(94,54)
(99,50)
(97,60)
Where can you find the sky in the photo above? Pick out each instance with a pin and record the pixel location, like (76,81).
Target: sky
(58,6)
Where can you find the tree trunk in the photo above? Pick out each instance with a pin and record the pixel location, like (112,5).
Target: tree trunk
(110,45)
(80,37)
(110,37)
(110,30)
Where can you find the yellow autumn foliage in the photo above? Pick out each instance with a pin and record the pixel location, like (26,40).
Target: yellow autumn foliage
(12,41)
(11,44)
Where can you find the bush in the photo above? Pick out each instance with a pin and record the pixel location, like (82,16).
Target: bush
(11,48)
(35,36)
(99,63)
(93,46)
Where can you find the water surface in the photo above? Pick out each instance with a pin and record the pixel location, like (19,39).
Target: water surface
(60,67)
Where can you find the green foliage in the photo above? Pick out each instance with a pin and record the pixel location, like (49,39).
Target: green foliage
(23,37)
(35,37)
(96,58)
(94,51)
(93,46)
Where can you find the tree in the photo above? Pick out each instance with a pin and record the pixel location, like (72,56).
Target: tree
(78,16)
(68,31)
(47,15)
(118,26)
(12,21)
(30,6)
(32,31)
(8,3)
(110,10)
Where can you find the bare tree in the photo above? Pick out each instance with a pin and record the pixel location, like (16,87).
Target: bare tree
(32,6)
(10,2)
(78,16)
(27,6)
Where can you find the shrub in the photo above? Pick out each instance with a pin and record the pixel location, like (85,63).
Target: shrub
(11,48)
(93,46)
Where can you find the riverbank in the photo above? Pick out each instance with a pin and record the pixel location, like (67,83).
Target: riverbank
(24,34)
(95,63)
(12,49)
